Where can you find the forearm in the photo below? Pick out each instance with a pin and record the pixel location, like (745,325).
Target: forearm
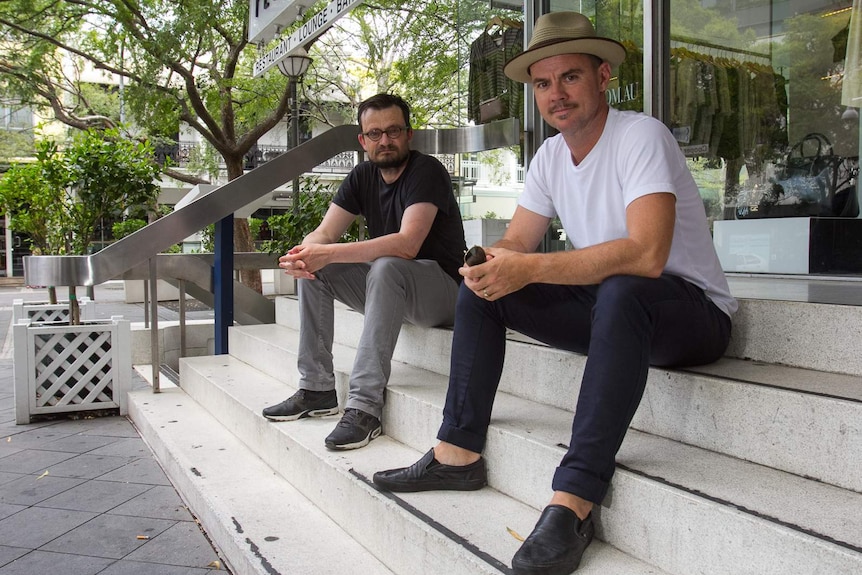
(594,264)
(392,245)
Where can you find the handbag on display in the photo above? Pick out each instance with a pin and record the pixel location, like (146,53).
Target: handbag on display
(812,181)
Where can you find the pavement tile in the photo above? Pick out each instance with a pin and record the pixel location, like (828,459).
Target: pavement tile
(96,496)
(160,502)
(112,536)
(10,427)
(7,449)
(32,460)
(8,554)
(125,567)
(7,509)
(116,426)
(138,471)
(42,562)
(182,544)
(87,466)
(36,436)
(31,489)
(109,426)
(35,526)
(78,443)
(130,447)
(6,477)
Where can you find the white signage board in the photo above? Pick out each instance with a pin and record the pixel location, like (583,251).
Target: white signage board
(304,34)
(267,17)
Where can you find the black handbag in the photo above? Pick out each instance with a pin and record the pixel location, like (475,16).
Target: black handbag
(812,181)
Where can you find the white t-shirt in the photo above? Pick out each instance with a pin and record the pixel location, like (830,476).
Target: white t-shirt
(636,155)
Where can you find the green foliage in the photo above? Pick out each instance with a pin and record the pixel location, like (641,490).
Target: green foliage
(29,195)
(254,225)
(419,50)
(127,227)
(61,198)
(289,229)
(14,145)
(208,239)
(108,175)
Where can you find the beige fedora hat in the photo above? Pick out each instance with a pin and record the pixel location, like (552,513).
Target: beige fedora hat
(563,33)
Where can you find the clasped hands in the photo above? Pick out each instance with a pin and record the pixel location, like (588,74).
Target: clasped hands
(303,260)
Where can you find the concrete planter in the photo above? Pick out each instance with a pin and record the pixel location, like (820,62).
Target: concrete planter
(134,290)
(62,368)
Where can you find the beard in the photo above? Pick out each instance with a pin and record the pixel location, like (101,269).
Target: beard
(395,160)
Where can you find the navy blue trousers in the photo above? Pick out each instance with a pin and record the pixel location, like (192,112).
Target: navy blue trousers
(623,325)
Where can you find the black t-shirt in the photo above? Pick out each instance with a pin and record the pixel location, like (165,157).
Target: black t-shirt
(424,179)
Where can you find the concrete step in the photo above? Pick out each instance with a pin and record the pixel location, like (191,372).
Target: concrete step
(773,415)
(809,335)
(678,507)
(260,523)
(812,336)
(429,533)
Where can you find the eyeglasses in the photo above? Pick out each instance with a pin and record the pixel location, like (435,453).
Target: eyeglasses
(392,133)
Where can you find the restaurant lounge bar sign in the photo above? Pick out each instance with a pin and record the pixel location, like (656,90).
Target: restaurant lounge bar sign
(310,30)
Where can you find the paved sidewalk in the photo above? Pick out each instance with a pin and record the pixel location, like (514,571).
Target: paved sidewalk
(86,496)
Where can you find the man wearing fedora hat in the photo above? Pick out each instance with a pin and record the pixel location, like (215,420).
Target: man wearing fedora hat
(642,287)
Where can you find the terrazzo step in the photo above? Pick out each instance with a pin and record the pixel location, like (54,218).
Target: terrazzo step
(678,507)
(773,415)
(798,334)
(262,525)
(446,533)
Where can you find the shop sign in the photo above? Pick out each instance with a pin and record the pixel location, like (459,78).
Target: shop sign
(310,30)
(622,94)
(267,17)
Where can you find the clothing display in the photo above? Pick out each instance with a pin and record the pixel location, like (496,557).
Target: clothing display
(491,95)
(727,107)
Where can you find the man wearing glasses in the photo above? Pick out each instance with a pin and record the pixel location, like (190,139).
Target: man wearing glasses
(406,271)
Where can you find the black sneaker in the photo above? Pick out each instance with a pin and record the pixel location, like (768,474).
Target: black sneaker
(355,430)
(304,403)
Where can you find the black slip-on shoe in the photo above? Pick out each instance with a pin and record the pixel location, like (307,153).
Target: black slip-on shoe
(304,403)
(428,474)
(556,545)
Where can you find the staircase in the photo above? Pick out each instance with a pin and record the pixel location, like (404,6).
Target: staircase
(750,465)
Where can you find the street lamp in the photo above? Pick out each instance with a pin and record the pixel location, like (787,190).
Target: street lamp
(294,67)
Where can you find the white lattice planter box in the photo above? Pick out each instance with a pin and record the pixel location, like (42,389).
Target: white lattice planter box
(43,311)
(62,368)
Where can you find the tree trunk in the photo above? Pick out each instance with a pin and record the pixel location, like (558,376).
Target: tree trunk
(242,240)
(74,306)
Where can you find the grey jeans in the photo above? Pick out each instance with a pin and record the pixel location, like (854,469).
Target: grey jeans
(388,292)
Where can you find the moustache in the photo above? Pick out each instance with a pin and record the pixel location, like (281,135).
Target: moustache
(562,107)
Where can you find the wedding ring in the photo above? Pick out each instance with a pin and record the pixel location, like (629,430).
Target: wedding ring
(485,293)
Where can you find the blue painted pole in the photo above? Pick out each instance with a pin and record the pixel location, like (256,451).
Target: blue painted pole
(223,282)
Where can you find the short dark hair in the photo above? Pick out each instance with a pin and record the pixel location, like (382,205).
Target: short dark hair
(381,102)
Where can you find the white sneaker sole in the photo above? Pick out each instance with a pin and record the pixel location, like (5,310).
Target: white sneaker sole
(304,414)
(375,433)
